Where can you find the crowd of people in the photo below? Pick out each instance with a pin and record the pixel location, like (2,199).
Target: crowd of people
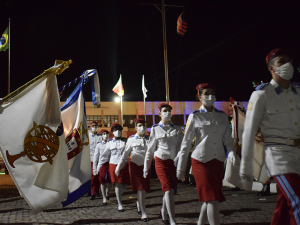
(273,107)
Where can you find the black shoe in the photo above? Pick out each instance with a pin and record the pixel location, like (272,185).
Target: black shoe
(145,219)
(121,210)
(139,212)
(107,198)
(98,195)
(265,191)
(164,221)
(93,197)
(235,189)
(104,203)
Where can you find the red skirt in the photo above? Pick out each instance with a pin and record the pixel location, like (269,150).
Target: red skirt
(209,180)
(137,179)
(104,176)
(166,172)
(123,177)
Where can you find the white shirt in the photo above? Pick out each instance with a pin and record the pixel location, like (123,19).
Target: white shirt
(137,146)
(99,157)
(166,140)
(115,148)
(277,112)
(212,131)
(94,140)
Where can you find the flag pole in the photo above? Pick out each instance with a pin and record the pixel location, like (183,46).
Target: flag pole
(144,98)
(121,102)
(8,57)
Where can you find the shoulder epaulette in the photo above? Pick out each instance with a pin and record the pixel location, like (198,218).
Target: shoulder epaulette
(195,111)
(217,110)
(177,124)
(123,139)
(261,86)
(132,136)
(296,84)
(109,139)
(155,125)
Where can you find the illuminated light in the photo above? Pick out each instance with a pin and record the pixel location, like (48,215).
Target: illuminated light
(117,99)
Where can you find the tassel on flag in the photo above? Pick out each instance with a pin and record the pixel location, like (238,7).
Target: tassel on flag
(181,25)
(144,88)
(118,88)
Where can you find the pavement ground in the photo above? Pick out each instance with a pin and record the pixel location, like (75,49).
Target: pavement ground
(241,208)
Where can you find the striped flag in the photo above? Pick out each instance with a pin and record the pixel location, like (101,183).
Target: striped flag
(118,88)
(181,25)
(144,88)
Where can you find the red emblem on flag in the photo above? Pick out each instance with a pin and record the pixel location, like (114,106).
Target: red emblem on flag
(74,144)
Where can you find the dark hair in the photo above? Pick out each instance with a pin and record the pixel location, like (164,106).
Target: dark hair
(199,92)
(138,123)
(116,127)
(164,107)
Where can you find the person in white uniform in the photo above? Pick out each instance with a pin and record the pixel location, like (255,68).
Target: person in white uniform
(116,146)
(275,108)
(101,166)
(94,139)
(165,139)
(136,146)
(212,130)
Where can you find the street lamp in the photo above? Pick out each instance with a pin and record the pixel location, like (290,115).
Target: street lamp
(117,99)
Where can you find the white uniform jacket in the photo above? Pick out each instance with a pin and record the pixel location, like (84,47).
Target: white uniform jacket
(94,140)
(166,140)
(99,157)
(212,131)
(137,146)
(115,149)
(277,112)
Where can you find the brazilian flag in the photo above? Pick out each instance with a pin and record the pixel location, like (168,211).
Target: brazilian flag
(4,40)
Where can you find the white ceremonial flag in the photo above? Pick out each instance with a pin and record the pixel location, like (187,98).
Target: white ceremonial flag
(32,142)
(144,88)
(77,141)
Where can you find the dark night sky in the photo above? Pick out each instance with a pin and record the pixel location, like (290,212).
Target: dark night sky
(226,44)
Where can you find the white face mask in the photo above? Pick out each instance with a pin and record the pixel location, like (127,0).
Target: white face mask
(105,136)
(285,71)
(117,133)
(208,100)
(166,116)
(94,129)
(141,130)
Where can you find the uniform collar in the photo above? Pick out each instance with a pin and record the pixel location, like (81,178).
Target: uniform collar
(203,109)
(93,135)
(138,137)
(278,89)
(162,125)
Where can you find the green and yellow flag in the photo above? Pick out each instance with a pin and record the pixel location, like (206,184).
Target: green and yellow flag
(4,41)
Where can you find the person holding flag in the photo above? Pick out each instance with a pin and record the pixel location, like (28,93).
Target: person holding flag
(165,139)
(136,146)
(212,130)
(94,138)
(115,146)
(101,166)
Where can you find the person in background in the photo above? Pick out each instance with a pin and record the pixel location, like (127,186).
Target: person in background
(212,130)
(165,140)
(136,146)
(116,146)
(94,139)
(101,166)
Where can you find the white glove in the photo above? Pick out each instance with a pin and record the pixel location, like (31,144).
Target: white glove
(180,174)
(176,161)
(95,172)
(117,172)
(145,173)
(231,158)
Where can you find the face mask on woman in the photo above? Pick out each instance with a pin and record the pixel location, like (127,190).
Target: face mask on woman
(166,116)
(208,100)
(117,133)
(285,71)
(141,130)
(94,129)
(104,136)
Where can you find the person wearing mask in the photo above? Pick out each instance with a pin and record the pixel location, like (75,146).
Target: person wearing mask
(101,166)
(94,139)
(136,147)
(275,108)
(115,146)
(212,130)
(165,140)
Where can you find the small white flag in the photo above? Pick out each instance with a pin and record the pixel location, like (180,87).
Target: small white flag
(144,88)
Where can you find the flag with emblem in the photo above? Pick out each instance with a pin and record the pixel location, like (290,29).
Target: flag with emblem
(144,88)
(32,142)
(118,88)
(4,41)
(77,142)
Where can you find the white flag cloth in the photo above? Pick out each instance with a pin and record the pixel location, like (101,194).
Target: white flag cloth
(95,86)
(144,88)
(77,141)
(33,145)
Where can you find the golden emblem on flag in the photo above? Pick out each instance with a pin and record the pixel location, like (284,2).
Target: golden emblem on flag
(40,145)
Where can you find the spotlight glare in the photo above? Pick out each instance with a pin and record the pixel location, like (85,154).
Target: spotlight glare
(117,99)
